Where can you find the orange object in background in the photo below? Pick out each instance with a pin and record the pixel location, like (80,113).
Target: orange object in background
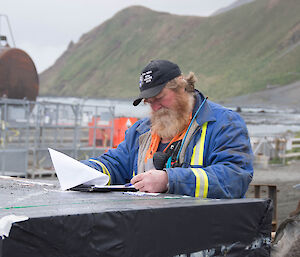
(120,126)
(102,130)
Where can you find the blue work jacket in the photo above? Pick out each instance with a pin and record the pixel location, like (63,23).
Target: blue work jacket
(217,160)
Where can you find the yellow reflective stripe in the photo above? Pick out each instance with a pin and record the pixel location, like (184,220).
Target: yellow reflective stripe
(133,173)
(197,188)
(104,169)
(205,186)
(201,187)
(202,141)
(198,152)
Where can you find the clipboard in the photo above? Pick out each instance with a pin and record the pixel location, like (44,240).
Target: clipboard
(110,188)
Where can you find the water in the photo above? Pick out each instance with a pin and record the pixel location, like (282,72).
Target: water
(260,122)
(271,121)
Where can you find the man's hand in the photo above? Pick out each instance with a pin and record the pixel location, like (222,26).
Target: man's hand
(151,181)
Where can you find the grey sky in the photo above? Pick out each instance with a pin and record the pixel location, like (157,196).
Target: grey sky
(44,28)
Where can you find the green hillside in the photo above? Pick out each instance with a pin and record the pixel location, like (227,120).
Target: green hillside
(234,53)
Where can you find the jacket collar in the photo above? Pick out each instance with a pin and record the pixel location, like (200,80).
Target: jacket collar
(205,114)
(144,126)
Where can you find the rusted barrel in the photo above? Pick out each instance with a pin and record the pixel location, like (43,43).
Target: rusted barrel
(18,75)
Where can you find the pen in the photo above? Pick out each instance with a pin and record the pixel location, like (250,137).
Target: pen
(128,185)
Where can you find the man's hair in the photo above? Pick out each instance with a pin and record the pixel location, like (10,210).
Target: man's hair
(187,82)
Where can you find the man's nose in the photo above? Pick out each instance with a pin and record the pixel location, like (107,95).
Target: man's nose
(155,106)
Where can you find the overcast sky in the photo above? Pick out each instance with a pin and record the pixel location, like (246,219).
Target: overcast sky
(44,28)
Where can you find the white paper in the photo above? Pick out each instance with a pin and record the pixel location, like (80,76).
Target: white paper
(6,223)
(141,193)
(71,172)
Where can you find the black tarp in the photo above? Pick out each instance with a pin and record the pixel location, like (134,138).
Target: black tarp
(71,224)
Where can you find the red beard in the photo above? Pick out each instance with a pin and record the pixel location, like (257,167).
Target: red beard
(168,122)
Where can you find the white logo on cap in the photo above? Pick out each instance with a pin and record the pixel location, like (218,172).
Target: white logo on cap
(147,76)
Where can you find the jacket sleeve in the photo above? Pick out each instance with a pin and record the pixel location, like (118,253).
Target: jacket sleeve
(227,169)
(118,163)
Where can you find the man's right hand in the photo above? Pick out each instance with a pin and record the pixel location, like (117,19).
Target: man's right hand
(152,181)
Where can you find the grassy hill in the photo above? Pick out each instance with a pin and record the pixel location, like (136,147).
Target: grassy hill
(237,52)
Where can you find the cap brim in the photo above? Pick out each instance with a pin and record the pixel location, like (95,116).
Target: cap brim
(150,92)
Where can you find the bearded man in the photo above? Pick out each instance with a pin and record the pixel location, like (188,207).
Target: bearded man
(189,145)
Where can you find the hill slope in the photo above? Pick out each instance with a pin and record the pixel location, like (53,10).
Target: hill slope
(277,97)
(234,53)
(232,6)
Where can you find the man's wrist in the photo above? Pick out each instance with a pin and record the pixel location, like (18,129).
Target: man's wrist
(167,190)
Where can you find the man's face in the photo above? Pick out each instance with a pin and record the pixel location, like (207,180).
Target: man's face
(165,99)
(170,112)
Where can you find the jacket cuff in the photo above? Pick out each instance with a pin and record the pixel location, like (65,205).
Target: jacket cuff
(169,185)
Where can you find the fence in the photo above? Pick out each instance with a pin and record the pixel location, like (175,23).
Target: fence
(292,144)
(274,147)
(28,129)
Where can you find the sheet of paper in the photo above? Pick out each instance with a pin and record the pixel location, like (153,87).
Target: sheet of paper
(141,193)
(71,172)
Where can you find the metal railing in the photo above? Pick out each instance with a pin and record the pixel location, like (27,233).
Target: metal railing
(28,129)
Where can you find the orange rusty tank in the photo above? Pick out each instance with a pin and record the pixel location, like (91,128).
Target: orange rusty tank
(18,75)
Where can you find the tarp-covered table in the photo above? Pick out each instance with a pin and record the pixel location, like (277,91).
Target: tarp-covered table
(70,224)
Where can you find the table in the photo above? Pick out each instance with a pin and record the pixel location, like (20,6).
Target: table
(70,224)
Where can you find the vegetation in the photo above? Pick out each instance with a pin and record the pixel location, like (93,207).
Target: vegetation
(237,52)
(297,134)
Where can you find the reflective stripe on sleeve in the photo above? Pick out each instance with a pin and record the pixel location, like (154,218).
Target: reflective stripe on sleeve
(104,169)
(201,187)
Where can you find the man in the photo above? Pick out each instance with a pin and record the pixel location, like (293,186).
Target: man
(188,146)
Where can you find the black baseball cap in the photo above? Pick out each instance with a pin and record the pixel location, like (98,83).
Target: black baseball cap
(154,77)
